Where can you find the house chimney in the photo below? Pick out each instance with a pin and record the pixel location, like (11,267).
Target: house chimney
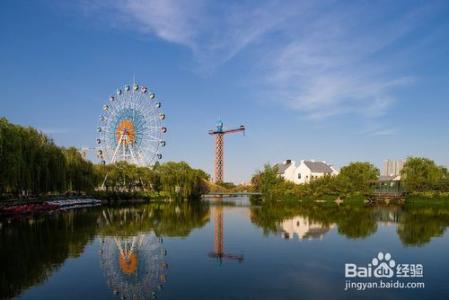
(288,161)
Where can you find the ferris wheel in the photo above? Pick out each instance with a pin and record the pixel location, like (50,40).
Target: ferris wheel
(130,127)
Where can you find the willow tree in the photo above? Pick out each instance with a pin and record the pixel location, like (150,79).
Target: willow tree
(32,164)
(81,174)
(179,180)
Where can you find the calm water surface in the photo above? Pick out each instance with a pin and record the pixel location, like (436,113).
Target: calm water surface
(203,251)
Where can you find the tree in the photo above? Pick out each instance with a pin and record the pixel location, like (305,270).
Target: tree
(421,174)
(81,175)
(357,176)
(444,172)
(32,164)
(265,181)
(179,180)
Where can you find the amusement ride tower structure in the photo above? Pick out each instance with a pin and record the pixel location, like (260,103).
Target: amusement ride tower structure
(219,133)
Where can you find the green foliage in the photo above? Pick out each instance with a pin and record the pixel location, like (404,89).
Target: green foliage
(176,180)
(326,185)
(124,177)
(32,164)
(356,177)
(267,181)
(80,173)
(422,174)
(179,180)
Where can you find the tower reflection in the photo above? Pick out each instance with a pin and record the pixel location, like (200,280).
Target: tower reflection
(219,252)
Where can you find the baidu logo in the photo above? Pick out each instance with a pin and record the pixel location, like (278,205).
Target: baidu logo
(383,266)
(385,273)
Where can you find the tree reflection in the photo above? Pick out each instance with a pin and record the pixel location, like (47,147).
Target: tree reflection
(416,225)
(169,219)
(132,248)
(31,249)
(422,222)
(351,221)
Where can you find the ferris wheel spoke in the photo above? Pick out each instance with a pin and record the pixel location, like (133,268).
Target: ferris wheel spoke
(151,138)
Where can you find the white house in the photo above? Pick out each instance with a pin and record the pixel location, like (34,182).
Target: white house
(305,170)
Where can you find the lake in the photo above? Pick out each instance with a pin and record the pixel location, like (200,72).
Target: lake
(233,251)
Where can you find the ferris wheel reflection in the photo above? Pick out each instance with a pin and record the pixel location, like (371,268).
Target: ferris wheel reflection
(134,266)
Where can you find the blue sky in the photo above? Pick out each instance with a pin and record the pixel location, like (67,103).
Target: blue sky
(332,80)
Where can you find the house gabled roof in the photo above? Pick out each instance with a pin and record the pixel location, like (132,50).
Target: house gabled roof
(318,166)
(282,167)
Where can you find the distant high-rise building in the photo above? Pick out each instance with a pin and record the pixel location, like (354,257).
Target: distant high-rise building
(393,167)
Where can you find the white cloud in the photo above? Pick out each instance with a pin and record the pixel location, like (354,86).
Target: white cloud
(324,60)
(336,64)
(174,21)
(214,33)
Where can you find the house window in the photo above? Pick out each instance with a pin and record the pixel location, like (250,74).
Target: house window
(299,175)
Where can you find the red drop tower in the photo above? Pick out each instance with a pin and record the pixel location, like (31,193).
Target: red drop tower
(219,148)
